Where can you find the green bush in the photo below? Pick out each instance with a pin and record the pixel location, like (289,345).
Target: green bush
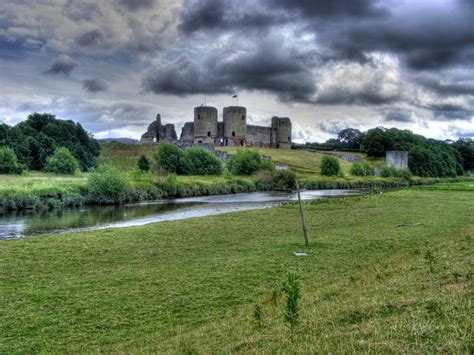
(107,185)
(330,166)
(9,162)
(388,171)
(62,162)
(391,171)
(200,161)
(171,158)
(247,162)
(143,164)
(362,169)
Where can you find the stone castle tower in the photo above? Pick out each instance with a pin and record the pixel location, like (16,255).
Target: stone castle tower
(233,131)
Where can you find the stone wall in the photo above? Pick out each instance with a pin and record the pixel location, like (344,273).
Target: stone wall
(187,133)
(397,158)
(260,136)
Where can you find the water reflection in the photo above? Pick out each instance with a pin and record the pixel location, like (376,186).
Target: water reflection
(28,223)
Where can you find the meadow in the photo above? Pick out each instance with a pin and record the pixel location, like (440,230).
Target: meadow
(384,273)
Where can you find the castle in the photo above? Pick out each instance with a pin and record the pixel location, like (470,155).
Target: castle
(233,131)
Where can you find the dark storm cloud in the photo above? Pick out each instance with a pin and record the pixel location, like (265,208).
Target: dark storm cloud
(368,96)
(94,85)
(268,68)
(223,15)
(62,65)
(134,5)
(443,112)
(323,8)
(462,86)
(93,38)
(397,115)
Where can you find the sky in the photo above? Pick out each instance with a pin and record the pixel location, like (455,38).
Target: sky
(112,65)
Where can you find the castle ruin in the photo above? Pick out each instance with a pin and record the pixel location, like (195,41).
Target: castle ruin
(233,131)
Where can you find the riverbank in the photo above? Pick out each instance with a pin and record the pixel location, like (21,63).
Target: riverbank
(43,191)
(392,270)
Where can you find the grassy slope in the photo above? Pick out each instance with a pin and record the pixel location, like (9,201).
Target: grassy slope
(303,163)
(191,285)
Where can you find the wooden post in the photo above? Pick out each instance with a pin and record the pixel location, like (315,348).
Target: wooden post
(306,242)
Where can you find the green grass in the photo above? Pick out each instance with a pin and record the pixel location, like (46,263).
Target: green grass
(304,164)
(39,183)
(191,286)
(125,156)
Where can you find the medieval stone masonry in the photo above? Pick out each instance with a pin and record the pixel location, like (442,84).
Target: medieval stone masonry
(233,131)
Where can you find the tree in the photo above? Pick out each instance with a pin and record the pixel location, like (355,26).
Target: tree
(8,161)
(350,137)
(330,166)
(62,162)
(143,164)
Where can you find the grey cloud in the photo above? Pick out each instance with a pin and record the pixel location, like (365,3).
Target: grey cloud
(92,38)
(443,112)
(398,115)
(464,134)
(94,85)
(62,65)
(269,68)
(223,15)
(134,5)
(462,86)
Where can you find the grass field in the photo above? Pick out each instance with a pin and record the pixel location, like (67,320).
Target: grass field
(385,273)
(38,183)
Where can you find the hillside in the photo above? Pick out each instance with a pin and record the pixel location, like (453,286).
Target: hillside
(305,164)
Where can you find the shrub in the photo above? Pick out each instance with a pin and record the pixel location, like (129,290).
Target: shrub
(391,171)
(9,162)
(246,162)
(143,164)
(330,166)
(62,162)
(388,171)
(362,169)
(171,158)
(107,185)
(284,180)
(201,162)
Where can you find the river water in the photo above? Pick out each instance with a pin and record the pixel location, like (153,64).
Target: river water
(19,224)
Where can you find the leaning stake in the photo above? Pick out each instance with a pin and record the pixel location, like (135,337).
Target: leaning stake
(306,242)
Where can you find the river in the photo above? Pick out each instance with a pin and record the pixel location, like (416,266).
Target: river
(18,224)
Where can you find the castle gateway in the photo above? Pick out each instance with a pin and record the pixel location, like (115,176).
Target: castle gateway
(232,132)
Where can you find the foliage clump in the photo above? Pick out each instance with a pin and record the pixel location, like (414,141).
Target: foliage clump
(362,169)
(202,162)
(191,161)
(62,162)
(247,162)
(36,139)
(107,185)
(391,171)
(143,164)
(9,162)
(330,166)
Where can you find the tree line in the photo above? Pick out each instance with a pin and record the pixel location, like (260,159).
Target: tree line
(426,157)
(31,144)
